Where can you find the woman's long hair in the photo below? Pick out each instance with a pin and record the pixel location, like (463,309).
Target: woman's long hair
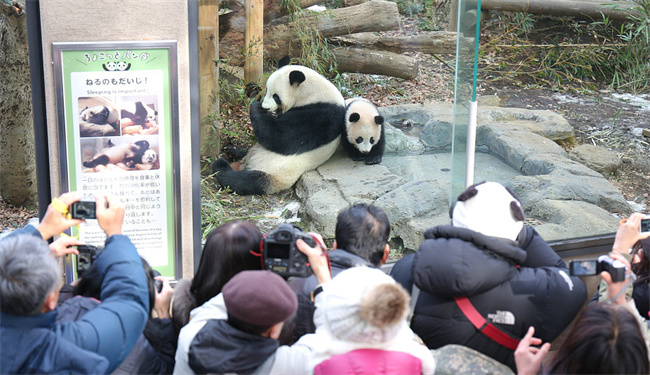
(604,339)
(227,251)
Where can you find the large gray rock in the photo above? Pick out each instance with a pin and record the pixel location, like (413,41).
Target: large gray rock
(563,197)
(586,219)
(548,124)
(457,359)
(597,158)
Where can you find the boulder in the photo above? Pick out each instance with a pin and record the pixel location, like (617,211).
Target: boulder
(599,159)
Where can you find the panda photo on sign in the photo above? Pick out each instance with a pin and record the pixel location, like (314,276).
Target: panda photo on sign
(363,137)
(98,117)
(298,127)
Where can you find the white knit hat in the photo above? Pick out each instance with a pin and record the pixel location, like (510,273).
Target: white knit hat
(490,209)
(363,305)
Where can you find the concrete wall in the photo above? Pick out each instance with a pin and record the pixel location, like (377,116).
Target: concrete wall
(123,20)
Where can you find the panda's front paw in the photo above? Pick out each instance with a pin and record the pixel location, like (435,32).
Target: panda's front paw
(220,165)
(373,160)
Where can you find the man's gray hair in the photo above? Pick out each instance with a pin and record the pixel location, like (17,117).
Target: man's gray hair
(28,274)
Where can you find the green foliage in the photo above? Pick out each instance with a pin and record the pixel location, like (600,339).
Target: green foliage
(630,62)
(315,53)
(584,54)
(219,206)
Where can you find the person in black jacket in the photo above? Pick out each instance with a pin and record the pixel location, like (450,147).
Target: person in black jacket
(506,271)
(361,239)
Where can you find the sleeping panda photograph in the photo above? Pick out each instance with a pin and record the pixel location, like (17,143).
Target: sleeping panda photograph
(119,154)
(297,125)
(98,117)
(139,115)
(363,136)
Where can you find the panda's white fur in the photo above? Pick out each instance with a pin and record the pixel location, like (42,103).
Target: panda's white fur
(285,170)
(302,94)
(364,131)
(297,126)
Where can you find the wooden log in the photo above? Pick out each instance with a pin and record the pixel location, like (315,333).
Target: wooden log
(365,61)
(432,42)
(589,9)
(253,39)
(279,40)
(208,41)
(274,9)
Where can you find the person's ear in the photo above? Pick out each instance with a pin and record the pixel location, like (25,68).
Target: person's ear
(335,245)
(51,301)
(274,331)
(385,257)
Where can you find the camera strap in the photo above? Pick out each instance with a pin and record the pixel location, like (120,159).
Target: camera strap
(479,322)
(261,251)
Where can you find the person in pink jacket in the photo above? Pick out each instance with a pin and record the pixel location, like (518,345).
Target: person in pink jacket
(361,327)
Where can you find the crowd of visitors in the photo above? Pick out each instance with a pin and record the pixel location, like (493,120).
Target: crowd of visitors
(487,282)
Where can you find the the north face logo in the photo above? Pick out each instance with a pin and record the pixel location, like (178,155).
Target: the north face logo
(502,317)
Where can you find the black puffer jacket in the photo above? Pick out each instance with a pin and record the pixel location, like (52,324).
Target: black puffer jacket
(506,289)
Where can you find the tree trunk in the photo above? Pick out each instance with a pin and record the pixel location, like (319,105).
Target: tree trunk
(589,9)
(274,9)
(370,16)
(432,42)
(17,164)
(376,62)
(208,77)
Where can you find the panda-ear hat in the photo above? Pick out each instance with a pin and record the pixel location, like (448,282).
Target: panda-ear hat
(490,209)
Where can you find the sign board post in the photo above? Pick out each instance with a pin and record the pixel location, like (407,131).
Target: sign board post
(116,111)
(118,133)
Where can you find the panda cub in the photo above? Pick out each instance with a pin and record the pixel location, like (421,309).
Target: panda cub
(364,131)
(297,126)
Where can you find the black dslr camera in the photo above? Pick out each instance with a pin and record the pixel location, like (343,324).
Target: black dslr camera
(280,254)
(614,267)
(86,257)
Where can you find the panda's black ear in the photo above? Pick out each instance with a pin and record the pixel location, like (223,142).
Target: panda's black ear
(286,60)
(354,117)
(379,120)
(144,145)
(296,76)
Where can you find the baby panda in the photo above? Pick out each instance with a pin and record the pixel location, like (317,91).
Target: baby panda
(127,153)
(297,126)
(363,136)
(99,114)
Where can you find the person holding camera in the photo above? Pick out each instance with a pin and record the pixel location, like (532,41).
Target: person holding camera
(361,239)
(30,339)
(482,281)
(638,254)
(609,337)
(237,331)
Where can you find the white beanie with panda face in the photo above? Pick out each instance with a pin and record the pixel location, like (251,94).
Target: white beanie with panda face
(490,209)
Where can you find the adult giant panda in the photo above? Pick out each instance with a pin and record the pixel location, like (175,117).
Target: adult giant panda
(363,137)
(298,127)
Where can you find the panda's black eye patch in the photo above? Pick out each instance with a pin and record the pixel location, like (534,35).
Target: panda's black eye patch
(372,140)
(354,117)
(277,99)
(359,140)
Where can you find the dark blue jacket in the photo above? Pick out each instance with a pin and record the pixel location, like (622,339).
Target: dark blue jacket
(512,287)
(96,343)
